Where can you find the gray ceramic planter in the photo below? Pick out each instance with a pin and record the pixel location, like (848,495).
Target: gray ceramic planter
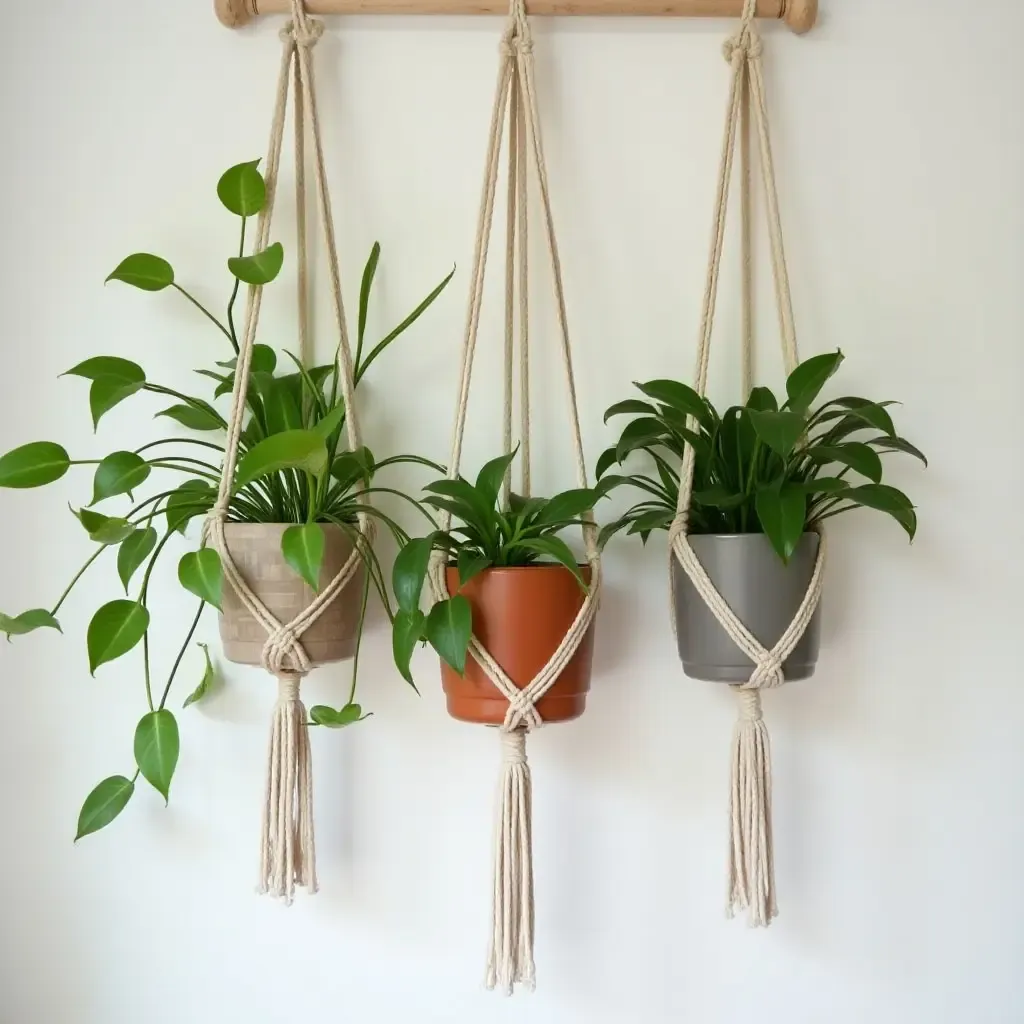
(763,592)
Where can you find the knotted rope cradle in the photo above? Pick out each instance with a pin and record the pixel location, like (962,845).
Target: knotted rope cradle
(287,846)
(510,959)
(751,869)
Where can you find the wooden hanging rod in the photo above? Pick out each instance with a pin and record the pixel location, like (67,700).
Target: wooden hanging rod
(799,15)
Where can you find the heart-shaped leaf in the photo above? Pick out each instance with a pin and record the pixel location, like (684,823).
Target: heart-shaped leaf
(410,572)
(779,430)
(196,417)
(332,719)
(107,530)
(242,189)
(119,473)
(193,498)
(34,465)
(406,632)
(471,563)
(156,749)
(303,549)
(207,682)
(115,629)
(28,622)
(449,628)
(134,550)
(260,268)
(201,573)
(782,512)
(142,270)
(104,804)
(294,449)
(112,367)
(108,392)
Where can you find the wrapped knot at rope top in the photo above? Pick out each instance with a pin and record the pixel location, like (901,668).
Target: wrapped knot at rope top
(288,854)
(510,959)
(751,883)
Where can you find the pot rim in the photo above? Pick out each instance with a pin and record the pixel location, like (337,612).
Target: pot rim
(744,536)
(516,569)
(327,526)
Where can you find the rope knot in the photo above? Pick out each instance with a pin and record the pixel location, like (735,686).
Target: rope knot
(516,43)
(746,45)
(306,36)
(750,705)
(288,687)
(283,645)
(768,672)
(513,746)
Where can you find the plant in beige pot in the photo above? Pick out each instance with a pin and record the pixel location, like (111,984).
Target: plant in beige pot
(291,519)
(515,585)
(766,476)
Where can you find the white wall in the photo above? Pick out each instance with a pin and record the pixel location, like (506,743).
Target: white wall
(899,771)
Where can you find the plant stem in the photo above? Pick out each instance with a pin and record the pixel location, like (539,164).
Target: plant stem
(233,336)
(181,654)
(78,575)
(180,440)
(145,661)
(202,309)
(359,638)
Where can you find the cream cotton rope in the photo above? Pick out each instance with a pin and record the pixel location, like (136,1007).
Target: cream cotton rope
(751,869)
(287,847)
(510,959)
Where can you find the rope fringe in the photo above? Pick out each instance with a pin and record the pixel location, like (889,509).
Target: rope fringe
(751,859)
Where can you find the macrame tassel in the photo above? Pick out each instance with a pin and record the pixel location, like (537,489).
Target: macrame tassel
(751,861)
(510,961)
(288,849)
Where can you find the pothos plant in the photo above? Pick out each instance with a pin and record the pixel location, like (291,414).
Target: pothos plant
(763,467)
(490,533)
(293,468)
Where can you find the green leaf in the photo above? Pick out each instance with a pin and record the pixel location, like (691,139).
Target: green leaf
(201,573)
(150,273)
(115,629)
(884,498)
(326,426)
(717,496)
(780,431)
(107,530)
(470,506)
(293,449)
(471,563)
(762,400)
(209,678)
(639,434)
(134,550)
(608,458)
(303,549)
(823,485)
(34,465)
(782,512)
(630,407)
(898,444)
(805,383)
(365,287)
(449,628)
(406,632)
(556,548)
(260,268)
(491,477)
(320,714)
(196,417)
(859,457)
(104,804)
(680,397)
(568,506)
(191,499)
(108,392)
(119,473)
(156,749)
(410,572)
(351,468)
(263,360)
(28,622)
(859,412)
(242,189)
(109,367)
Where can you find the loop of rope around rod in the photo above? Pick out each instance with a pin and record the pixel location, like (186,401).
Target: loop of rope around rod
(306,34)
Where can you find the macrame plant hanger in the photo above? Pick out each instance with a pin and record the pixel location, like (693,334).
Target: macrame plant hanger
(751,869)
(287,846)
(510,959)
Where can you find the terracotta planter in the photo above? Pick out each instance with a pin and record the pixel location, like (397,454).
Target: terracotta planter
(765,594)
(521,615)
(256,550)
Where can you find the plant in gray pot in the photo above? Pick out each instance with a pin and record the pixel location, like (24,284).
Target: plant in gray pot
(766,476)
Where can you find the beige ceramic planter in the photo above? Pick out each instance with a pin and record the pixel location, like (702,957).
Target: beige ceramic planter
(255,549)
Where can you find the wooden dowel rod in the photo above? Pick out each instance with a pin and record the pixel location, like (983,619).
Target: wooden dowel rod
(799,15)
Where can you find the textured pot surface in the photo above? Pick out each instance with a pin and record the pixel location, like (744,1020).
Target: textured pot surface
(521,615)
(256,549)
(764,593)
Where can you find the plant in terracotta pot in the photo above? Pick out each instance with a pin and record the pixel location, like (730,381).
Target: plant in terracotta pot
(514,583)
(294,505)
(766,476)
